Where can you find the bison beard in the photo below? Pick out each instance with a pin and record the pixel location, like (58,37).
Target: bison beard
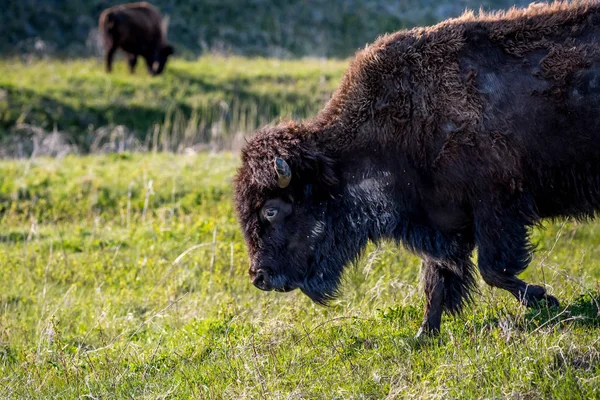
(446,139)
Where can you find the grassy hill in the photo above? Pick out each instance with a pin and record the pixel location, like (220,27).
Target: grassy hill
(125,276)
(208,100)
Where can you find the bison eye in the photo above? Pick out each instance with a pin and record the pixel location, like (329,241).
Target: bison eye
(270,213)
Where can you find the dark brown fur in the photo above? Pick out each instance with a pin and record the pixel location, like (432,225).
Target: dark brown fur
(447,138)
(135,28)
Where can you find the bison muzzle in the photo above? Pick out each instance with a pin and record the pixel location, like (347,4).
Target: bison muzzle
(445,139)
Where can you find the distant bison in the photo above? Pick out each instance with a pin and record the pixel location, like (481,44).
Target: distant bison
(446,138)
(137,29)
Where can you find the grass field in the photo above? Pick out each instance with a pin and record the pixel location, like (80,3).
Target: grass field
(124,276)
(206,100)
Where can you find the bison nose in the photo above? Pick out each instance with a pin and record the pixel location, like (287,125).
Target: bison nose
(262,279)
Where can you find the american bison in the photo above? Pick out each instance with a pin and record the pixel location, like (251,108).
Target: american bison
(448,138)
(137,29)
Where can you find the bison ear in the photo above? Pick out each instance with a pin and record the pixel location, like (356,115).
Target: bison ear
(320,169)
(326,171)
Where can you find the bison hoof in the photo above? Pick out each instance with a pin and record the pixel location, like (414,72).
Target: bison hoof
(536,295)
(427,331)
(551,301)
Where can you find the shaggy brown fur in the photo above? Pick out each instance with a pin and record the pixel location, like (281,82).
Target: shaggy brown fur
(445,138)
(136,28)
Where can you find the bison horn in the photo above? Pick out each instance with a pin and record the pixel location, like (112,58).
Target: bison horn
(284,173)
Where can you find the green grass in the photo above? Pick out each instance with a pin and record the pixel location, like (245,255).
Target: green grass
(111,290)
(193,101)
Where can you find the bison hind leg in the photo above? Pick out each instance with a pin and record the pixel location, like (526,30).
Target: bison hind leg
(448,286)
(109,56)
(504,252)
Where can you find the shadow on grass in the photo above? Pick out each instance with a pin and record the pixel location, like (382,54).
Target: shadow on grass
(78,115)
(46,112)
(15,237)
(269,104)
(583,311)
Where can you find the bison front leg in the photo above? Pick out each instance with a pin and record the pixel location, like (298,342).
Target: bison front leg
(448,286)
(504,252)
(132,61)
(435,291)
(150,65)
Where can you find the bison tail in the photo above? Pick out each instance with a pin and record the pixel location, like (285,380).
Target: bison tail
(110,23)
(107,23)
(106,29)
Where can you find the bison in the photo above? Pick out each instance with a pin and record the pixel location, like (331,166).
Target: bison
(136,28)
(448,138)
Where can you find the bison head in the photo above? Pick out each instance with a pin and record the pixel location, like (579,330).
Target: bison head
(161,61)
(287,200)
